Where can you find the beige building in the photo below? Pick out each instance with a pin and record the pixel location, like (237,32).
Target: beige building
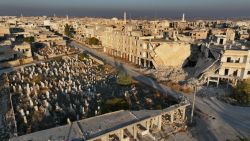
(23,50)
(199,34)
(243,35)
(4,30)
(235,63)
(146,51)
(127,45)
(228,32)
(49,38)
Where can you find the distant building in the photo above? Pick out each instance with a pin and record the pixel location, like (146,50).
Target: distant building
(199,34)
(4,30)
(227,32)
(23,50)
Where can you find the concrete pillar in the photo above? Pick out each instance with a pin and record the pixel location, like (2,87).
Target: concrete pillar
(149,64)
(135,132)
(159,122)
(121,135)
(208,79)
(183,113)
(218,81)
(147,124)
(139,60)
(145,63)
(105,138)
(172,117)
(227,82)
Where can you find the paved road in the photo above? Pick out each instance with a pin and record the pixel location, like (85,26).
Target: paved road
(218,121)
(128,68)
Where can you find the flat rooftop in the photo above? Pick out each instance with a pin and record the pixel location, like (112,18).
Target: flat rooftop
(93,127)
(83,129)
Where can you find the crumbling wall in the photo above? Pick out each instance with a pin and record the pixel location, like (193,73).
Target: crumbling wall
(203,61)
(171,54)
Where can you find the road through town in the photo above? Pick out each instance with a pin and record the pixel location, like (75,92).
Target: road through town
(217,120)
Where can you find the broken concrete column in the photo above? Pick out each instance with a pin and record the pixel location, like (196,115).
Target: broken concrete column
(159,122)
(121,135)
(183,113)
(145,63)
(172,117)
(135,132)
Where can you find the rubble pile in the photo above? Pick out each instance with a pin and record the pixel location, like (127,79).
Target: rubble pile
(173,125)
(170,74)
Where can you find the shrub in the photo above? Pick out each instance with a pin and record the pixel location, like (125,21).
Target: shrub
(242,92)
(115,104)
(124,79)
(93,41)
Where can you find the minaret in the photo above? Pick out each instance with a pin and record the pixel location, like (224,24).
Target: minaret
(183,17)
(125,18)
(21,17)
(67,17)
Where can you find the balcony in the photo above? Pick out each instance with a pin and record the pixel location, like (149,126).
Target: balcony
(233,65)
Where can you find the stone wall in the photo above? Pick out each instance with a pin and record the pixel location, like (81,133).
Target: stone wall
(15,63)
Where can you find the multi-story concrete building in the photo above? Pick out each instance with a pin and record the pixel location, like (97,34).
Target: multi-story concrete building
(235,63)
(146,51)
(199,34)
(228,32)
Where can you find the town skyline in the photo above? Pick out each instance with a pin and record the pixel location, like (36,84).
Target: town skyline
(111,8)
(124,70)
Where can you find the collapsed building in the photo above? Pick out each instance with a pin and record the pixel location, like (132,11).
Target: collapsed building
(145,51)
(215,61)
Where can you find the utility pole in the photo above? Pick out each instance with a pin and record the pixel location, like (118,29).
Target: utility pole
(192,112)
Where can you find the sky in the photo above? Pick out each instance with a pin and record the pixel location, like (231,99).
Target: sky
(134,8)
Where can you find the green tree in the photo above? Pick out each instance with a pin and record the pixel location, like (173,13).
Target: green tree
(114,104)
(29,39)
(69,30)
(83,55)
(124,79)
(243,92)
(93,41)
